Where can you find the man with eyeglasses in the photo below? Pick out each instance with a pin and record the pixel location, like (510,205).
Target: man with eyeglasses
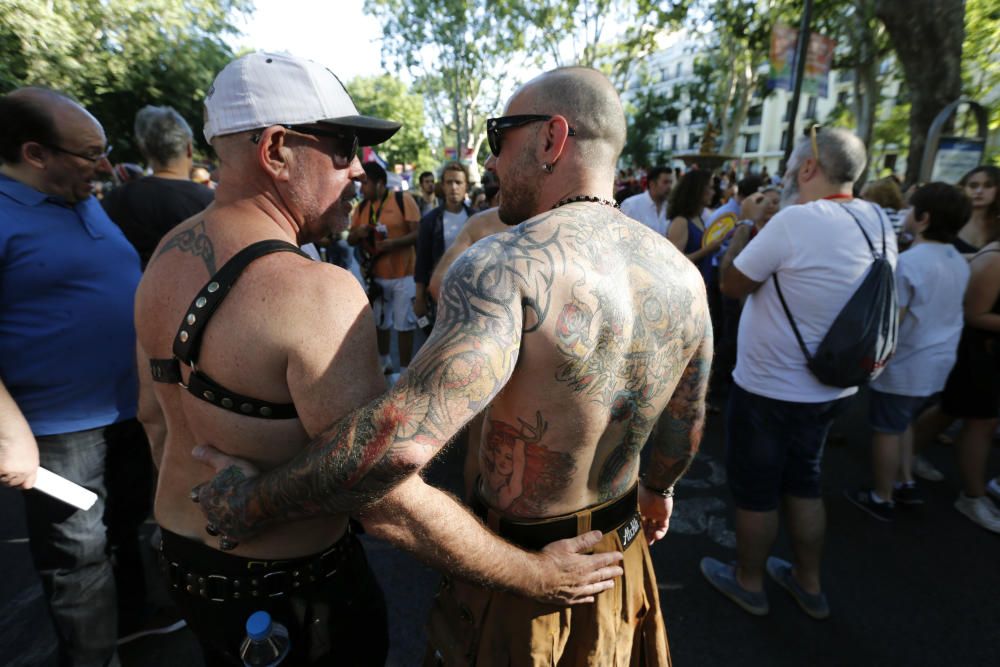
(249,346)
(67,373)
(577,330)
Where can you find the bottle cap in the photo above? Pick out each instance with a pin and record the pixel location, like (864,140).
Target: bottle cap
(259,625)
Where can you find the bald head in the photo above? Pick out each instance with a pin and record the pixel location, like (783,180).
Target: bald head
(51,143)
(591,105)
(36,114)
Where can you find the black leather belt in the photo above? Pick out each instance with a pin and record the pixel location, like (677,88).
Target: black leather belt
(263,579)
(534,535)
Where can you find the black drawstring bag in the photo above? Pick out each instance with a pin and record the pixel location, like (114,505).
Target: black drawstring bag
(863,337)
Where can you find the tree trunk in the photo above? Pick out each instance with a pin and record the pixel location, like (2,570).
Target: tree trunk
(927,36)
(867,93)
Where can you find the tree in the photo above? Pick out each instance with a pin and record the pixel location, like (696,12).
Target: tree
(645,112)
(927,37)
(460,54)
(116,56)
(981,56)
(387,97)
(584,25)
(737,34)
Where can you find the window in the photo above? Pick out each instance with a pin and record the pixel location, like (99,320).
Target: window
(788,111)
(673,142)
(784,138)
(842,98)
(753,143)
(755,114)
(693,140)
(679,67)
(811,107)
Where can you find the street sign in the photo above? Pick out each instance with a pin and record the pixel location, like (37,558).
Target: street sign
(948,158)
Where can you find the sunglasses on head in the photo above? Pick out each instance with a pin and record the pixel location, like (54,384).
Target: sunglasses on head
(344,152)
(811,133)
(496,126)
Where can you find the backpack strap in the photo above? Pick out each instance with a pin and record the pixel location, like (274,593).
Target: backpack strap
(879,214)
(187,342)
(791,320)
(399,203)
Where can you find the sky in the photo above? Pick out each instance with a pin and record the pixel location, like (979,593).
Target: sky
(335,33)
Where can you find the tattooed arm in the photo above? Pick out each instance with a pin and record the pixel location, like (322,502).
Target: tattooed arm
(676,439)
(357,460)
(150,415)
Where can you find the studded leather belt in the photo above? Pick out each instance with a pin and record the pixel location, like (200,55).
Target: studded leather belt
(257,579)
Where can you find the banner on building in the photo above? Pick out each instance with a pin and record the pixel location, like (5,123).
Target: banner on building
(819,58)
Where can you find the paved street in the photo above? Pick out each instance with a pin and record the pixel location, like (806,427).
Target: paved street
(923,590)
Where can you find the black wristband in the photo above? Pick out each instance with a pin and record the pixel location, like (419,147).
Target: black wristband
(664,493)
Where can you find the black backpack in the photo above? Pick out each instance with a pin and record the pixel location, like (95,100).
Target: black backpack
(863,336)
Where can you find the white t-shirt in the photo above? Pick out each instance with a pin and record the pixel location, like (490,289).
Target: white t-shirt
(820,257)
(453,223)
(930,281)
(642,208)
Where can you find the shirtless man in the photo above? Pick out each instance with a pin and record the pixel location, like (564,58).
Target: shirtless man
(581,329)
(260,368)
(477,227)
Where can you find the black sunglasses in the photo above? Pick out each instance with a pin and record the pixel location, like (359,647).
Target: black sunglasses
(342,157)
(496,126)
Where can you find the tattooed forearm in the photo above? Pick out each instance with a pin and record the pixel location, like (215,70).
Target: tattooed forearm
(195,242)
(679,431)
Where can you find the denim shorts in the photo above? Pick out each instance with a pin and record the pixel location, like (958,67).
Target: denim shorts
(773,447)
(893,413)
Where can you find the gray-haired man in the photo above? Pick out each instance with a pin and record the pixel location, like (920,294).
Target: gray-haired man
(149,207)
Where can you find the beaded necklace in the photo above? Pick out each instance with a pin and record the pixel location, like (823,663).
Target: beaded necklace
(585,198)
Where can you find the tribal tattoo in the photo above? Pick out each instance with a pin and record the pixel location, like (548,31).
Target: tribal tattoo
(196,242)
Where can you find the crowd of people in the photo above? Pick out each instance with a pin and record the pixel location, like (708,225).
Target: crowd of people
(215,350)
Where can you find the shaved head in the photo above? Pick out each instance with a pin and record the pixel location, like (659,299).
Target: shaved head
(589,102)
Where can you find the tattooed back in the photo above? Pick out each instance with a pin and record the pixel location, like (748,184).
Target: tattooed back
(603,317)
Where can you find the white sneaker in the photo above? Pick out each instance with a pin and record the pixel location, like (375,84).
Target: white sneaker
(924,469)
(993,489)
(980,511)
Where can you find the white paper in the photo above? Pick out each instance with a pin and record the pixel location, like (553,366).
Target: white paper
(62,489)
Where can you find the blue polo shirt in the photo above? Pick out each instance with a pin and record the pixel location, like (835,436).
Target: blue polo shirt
(67,284)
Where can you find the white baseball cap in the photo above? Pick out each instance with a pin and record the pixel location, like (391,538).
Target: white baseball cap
(263,89)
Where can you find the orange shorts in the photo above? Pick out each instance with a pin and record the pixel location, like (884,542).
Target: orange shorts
(475,626)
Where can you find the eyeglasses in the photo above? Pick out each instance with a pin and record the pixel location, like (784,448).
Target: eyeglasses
(496,126)
(90,158)
(811,133)
(343,154)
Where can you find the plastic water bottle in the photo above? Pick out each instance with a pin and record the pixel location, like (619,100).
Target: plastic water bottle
(266,643)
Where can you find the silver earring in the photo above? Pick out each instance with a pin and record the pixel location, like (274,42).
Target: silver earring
(546,167)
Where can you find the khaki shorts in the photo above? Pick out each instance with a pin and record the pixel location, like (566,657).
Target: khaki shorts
(471,625)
